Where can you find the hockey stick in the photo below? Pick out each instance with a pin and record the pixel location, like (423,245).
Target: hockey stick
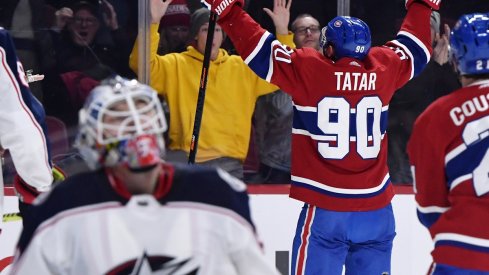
(199,110)
(11,217)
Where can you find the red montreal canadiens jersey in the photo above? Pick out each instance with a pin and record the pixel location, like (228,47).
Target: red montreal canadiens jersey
(449,154)
(339,142)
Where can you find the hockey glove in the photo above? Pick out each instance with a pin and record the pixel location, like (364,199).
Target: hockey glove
(221,7)
(58,175)
(433,4)
(27,193)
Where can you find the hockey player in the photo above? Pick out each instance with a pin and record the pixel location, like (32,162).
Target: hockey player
(339,146)
(22,128)
(449,154)
(135,214)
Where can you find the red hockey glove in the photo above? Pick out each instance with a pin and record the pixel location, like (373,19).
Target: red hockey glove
(221,7)
(26,193)
(433,4)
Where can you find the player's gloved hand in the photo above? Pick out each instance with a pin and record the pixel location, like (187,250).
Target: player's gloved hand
(221,7)
(433,4)
(58,174)
(27,193)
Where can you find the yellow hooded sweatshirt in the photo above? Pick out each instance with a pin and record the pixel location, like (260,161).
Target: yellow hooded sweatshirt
(232,90)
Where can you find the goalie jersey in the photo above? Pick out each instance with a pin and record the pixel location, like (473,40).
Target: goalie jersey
(451,172)
(339,142)
(196,222)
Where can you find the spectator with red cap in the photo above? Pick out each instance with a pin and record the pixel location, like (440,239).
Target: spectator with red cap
(174,28)
(229,101)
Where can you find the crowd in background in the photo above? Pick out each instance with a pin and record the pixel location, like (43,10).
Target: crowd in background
(76,44)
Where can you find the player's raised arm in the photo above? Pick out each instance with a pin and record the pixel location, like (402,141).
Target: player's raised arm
(413,41)
(260,49)
(22,121)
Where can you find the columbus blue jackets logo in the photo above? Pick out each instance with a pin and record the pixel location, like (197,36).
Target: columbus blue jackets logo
(158,264)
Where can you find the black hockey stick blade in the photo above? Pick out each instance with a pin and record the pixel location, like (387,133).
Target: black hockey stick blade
(199,110)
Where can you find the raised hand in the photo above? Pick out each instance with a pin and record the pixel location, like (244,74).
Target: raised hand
(280,15)
(63,15)
(109,15)
(158,9)
(441,50)
(433,4)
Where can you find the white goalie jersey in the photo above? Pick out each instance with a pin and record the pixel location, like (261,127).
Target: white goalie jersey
(194,223)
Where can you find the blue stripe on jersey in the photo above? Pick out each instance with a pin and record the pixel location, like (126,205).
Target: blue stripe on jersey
(353,125)
(384,117)
(418,54)
(428,219)
(462,245)
(303,120)
(307,121)
(467,161)
(370,123)
(260,62)
(342,195)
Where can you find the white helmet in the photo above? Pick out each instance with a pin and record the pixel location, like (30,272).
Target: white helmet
(122,122)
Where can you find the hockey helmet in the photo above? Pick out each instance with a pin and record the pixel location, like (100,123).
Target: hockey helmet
(469,43)
(122,122)
(349,36)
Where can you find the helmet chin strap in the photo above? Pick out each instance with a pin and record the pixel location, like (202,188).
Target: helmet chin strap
(328,52)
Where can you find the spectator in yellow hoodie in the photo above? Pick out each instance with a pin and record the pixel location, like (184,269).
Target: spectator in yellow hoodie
(232,90)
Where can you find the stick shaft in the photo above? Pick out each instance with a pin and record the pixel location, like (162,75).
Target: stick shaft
(199,110)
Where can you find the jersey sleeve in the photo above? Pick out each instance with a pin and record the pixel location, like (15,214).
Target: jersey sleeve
(46,254)
(156,62)
(247,256)
(22,125)
(279,64)
(245,252)
(412,44)
(428,166)
(261,51)
(41,248)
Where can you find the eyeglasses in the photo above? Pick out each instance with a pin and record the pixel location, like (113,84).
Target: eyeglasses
(303,30)
(90,21)
(205,29)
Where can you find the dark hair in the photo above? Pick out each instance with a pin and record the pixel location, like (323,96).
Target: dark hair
(198,18)
(85,5)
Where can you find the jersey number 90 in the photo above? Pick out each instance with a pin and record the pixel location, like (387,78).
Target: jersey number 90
(334,121)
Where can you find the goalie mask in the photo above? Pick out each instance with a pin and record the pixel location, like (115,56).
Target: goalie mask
(122,122)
